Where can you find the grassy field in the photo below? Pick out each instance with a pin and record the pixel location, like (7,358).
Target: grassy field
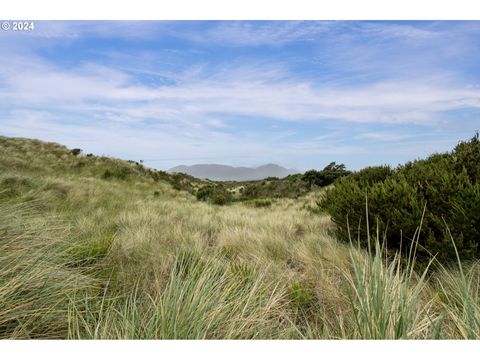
(98,248)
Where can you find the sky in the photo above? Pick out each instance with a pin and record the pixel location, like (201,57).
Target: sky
(244,93)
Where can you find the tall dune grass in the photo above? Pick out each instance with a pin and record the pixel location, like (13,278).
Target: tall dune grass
(36,278)
(201,299)
(386,296)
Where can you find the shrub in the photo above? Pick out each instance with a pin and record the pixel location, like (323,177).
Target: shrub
(107,174)
(372,174)
(325,177)
(446,194)
(216,194)
(250,191)
(178,181)
(219,199)
(75,151)
(205,192)
(292,187)
(467,155)
(156,193)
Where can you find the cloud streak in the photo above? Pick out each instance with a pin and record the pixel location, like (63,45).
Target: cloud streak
(254,91)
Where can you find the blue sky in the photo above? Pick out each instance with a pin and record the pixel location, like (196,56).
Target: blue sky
(300,94)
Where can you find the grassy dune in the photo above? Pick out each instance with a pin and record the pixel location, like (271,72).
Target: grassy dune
(84,255)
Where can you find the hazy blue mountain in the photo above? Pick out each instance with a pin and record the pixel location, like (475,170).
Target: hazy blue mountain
(230,173)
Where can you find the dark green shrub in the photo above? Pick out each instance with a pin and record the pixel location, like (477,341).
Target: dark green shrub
(178,181)
(107,174)
(293,177)
(372,174)
(325,177)
(156,193)
(274,188)
(467,155)
(75,151)
(250,191)
(449,193)
(205,192)
(219,199)
(122,172)
(216,194)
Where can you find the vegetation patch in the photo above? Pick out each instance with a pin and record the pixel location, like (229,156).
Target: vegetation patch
(120,172)
(85,258)
(439,197)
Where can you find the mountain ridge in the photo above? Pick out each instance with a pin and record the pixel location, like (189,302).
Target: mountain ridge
(219,172)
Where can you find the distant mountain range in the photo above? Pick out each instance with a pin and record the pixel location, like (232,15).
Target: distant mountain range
(230,173)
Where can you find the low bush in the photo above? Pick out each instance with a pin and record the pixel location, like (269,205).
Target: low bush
(467,156)
(441,190)
(205,192)
(219,199)
(216,194)
(75,151)
(178,181)
(325,177)
(372,174)
(290,187)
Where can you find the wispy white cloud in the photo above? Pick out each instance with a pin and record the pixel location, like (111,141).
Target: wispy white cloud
(274,33)
(256,91)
